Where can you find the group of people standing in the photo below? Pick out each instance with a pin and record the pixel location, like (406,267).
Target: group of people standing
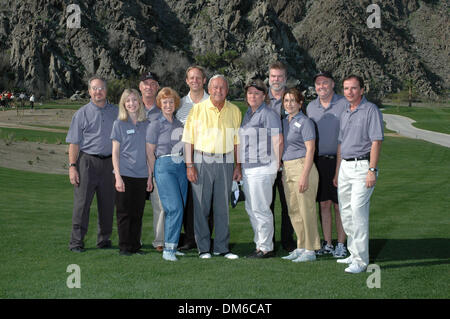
(184,154)
(7,100)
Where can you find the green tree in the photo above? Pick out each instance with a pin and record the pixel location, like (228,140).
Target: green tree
(117,86)
(410,85)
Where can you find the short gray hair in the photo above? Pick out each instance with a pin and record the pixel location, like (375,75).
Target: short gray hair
(218,76)
(96,77)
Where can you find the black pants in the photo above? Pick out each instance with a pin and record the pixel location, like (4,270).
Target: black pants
(95,179)
(130,209)
(287,231)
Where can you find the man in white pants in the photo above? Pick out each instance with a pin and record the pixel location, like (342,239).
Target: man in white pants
(360,138)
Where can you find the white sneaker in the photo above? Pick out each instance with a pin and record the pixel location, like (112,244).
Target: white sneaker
(205,256)
(231,256)
(347,260)
(340,251)
(355,268)
(227,255)
(294,254)
(170,256)
(179,253)
(306,256)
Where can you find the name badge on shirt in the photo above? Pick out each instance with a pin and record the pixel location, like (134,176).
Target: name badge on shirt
(130,131)
(297,124)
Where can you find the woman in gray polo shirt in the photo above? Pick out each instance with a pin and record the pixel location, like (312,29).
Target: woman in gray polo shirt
(165,156)
(130,170)
(261,148)
(300,176)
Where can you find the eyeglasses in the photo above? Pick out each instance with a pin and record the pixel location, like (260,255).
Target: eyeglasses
(152,84)
(101,88)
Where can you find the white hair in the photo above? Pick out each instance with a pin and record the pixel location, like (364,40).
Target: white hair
(217,76)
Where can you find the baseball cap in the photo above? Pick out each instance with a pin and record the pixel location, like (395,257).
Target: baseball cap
(257,84)
(149,75)
(323,73)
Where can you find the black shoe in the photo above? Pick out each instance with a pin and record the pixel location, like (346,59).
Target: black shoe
(253,254)
(261,254)
(140,252)
(269,254)
(125,253)
(188,246)
(78,250)
(105,246)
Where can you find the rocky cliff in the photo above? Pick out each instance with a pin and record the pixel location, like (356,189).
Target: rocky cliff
(41,52)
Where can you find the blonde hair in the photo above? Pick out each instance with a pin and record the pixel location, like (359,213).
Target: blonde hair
(123,113)
(165,93)
(202,70)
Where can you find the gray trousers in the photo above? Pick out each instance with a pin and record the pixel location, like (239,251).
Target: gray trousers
(96,177)
(213,185)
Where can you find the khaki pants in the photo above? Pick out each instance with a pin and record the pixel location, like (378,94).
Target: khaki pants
(158,216)
(302,206)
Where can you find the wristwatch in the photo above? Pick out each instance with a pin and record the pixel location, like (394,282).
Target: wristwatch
(373,169)
(73,165)
(189,165)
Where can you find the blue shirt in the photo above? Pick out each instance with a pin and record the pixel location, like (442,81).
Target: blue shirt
(327,121)
(296,132)
(359,128)
(132,159)
(277,106)
(255,134)
(166,136)
(91,128)
(153,113)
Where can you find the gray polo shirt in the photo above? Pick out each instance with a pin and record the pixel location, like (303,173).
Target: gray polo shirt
(186,105)
(153,113)
(359,129)
(91,128)
(327,121)
(255,135)
(277,106)
(296,132)
(132,159)
(166,136)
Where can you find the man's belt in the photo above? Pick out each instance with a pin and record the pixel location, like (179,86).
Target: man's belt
(100,156)
(361,158)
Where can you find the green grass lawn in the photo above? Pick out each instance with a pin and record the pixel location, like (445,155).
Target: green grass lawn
(409,231)
(15,134)
(428,118)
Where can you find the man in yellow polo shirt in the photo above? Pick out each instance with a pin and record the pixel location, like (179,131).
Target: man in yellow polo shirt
(211,138)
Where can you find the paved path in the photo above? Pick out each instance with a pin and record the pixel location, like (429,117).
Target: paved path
(403,126)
